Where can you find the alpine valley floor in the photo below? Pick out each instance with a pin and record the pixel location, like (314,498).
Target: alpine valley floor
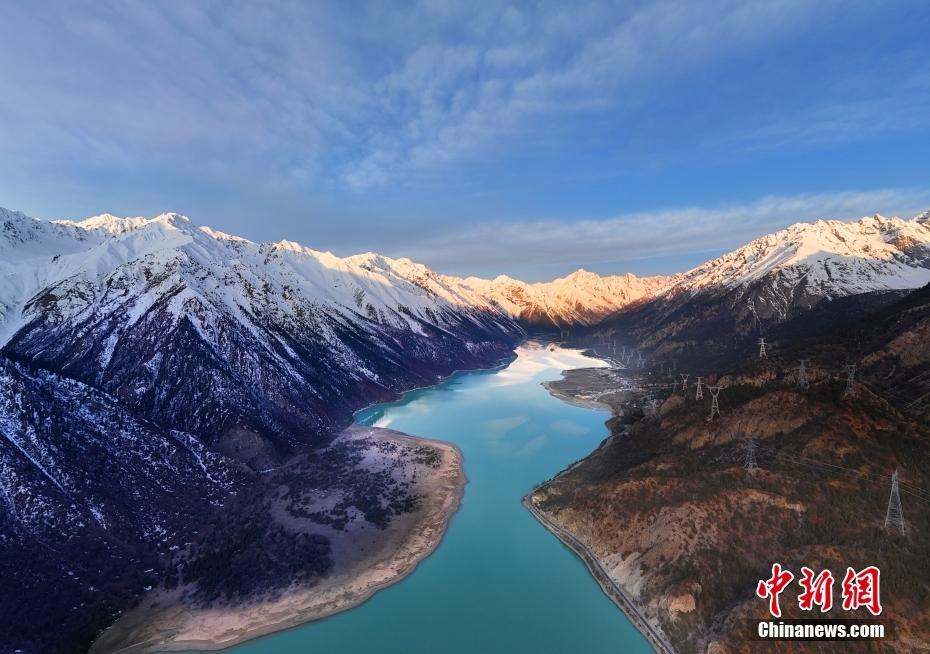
(499,582)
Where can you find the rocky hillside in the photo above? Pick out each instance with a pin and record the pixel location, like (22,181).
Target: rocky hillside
(95,500)
(890,349)
(671,512)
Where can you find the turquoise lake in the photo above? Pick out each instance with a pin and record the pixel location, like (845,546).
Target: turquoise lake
(499,582)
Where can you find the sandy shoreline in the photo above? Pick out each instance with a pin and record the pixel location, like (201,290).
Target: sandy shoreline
(165,624)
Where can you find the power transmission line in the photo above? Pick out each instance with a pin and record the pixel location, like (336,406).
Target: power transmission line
(850,381)
(800,459)
(894,517)
(802,373)
(714,404)
(749,457)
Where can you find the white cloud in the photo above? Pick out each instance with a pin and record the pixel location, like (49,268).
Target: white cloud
(360,96)
(453,100)
(631,237)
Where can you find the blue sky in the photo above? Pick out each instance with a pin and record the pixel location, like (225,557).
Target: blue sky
(521,138)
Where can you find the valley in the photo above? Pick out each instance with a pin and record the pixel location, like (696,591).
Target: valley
(498,582)
(448,327)
(179,469)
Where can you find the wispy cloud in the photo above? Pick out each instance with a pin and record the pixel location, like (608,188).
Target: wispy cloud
(353,96)
(627,239)
(448,101)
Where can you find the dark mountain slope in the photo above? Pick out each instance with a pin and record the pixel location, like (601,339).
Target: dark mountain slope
(94,501)
(162,384)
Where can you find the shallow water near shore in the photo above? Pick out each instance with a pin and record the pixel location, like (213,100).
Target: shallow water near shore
(499,582)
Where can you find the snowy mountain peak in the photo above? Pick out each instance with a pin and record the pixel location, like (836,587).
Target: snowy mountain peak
(109,223)
(13,216)
(582,297)
(200,270)
(291,246)
(831,258)
(581,275)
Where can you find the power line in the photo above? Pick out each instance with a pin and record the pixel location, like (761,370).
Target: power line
(714,404)
(850,381)
(802,373)
(800,459)
(894,517)
(749,457)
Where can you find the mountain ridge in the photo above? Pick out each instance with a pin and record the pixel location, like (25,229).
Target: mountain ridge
(895,254)
(722,306)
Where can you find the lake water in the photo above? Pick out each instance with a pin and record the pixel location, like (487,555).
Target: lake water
(499,582)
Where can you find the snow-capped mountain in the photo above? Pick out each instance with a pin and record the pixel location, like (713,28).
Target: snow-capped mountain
(256,348)
(828,258)
(152,372)
(779,277)
(581,298)
(39,254)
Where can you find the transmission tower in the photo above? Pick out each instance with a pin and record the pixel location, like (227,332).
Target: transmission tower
(749,456)
(755,316)
(652,408)
(714,404)
(894,516)
(802,373)
(762,352)
(684,382)
(699,394)
(674,387)
(850,381)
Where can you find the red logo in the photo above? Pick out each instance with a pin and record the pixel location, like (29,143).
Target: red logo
(860,589)
(817,590)
(772,587)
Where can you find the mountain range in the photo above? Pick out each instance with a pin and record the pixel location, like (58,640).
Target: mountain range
(153,371)
(721,307)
